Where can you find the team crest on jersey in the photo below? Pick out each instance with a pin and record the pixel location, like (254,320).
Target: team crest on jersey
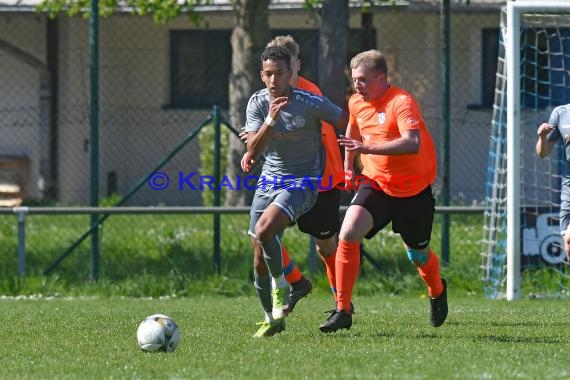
(298,122)
(382,117)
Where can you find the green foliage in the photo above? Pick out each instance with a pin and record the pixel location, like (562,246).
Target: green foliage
(94,338)
(363,4)
(207,146)
(161,10)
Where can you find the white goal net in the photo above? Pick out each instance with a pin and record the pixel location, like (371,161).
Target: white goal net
(523,252)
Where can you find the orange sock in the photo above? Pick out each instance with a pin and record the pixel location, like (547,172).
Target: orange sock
(329,262)
(429,272)
(291,272)
(347,265)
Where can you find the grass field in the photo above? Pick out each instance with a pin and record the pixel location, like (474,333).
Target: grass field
(94,338)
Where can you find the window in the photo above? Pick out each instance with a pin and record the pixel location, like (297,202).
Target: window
(200,65)
(308,40)
(490,53)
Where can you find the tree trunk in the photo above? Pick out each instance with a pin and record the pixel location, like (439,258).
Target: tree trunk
(332,50)
(249,37)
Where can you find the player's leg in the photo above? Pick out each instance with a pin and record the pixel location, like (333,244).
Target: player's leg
(323,222)
(367,214)
(326,249)
(268,230)
(262,280)
(292,273)
(413,221)
(566,238)
(565,219)
(286,207)
(327,226)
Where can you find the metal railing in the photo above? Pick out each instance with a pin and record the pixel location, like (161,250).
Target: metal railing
(21,214)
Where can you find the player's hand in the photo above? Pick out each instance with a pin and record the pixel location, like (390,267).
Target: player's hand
(351,144)
(247,162)
(243,135)
(544,129)
(277,105)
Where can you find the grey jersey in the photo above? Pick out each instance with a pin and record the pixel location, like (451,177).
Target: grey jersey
(294,148)
(560,118)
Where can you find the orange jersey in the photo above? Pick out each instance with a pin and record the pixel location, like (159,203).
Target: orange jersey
(384,120)
(333,162)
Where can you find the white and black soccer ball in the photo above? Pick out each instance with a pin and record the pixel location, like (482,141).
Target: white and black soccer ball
(158,333)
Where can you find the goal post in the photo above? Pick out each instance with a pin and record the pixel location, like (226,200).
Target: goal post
(507,156)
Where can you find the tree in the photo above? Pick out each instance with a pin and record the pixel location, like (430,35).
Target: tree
(161,10)
(250,34)
(332,43)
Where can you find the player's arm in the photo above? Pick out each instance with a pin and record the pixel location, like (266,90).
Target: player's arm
(544,145)
(352,133)
(408,118)
(342,122)
(407,143)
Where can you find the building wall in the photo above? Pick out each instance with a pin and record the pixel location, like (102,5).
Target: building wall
(137,128)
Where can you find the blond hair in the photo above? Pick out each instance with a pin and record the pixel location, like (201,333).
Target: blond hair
(286,42)
(371,59)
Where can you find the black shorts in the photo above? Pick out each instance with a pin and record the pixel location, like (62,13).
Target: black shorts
(323,220)
(411,217)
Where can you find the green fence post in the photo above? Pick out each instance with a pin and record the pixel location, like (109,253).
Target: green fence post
(217,190)
(94,118)
(21,213)
(445,29)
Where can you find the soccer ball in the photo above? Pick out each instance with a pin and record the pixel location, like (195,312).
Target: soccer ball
(158,332)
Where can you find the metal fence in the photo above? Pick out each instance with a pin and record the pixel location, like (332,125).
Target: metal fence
(159,83)
(54,240)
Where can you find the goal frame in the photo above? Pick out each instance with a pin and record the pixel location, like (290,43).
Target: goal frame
(512,52)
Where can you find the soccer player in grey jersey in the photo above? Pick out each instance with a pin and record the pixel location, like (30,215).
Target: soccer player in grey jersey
(558,129)
(284,125)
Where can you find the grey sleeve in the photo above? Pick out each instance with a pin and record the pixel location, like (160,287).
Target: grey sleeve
(328,111)
(554,120)
(254,115)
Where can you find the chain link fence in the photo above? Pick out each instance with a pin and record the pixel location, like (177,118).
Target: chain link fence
(159,83)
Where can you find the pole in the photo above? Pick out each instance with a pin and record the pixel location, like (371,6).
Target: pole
(94,118)
(217,190)
(445,191)
(21,213)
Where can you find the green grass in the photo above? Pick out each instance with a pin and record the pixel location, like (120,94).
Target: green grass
(94,338)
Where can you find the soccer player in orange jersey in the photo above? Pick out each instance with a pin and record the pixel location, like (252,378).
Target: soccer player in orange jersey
(399,166)
(323,220)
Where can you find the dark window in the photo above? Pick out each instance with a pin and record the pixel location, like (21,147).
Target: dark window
(200,65)
(489,65)
(308,40)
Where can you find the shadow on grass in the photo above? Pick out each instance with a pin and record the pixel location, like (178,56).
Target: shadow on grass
(517,339)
